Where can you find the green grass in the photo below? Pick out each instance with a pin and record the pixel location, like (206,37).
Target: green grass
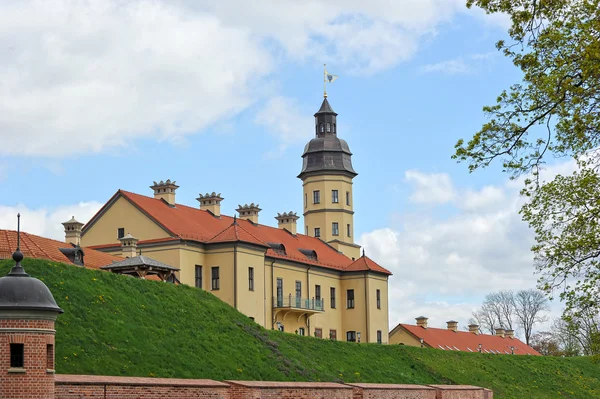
(116,325)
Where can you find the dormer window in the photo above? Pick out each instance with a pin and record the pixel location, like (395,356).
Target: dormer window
(311,254)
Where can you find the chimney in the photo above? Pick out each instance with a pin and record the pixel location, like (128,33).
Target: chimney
(287,221)
(165,190)
(422,321)
(211,202)
(509,334)
(474,328)
(249,212)
(73,231)
(500,332)
(129,246)
(452,325)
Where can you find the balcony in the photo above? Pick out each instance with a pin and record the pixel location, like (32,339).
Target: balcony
(297,306)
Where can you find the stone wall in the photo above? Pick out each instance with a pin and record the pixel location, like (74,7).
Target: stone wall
(105,387)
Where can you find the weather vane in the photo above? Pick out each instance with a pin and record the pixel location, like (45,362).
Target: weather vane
(327,78)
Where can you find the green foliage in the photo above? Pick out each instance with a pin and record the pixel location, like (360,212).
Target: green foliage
(554,111)
(117,325)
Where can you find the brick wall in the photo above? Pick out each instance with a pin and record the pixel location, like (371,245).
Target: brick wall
(89,387)
(289,390)
(35,380)
(104,387)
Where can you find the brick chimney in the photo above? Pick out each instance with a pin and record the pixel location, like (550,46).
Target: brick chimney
(129,246)
(509,334)
(452,325)
(287,221)
(73,231)
(500,332)
(422,321)
(249,212)
(165,190)
(211,202)
(474,328)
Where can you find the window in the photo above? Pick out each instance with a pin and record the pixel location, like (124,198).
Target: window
(121,232)
(347,197)
(351,336)
(322,128)
(334,127)
(334,196)
(306,230)
(318,292)
(251,278)
(349,230)
(328,127)
(317,232)
(378,299)
(298,289)
(333,335)
(318,333)
(332,297)
(215,278)
(17,352)
(316,197)
(350,299)
(50,357)
(198,276)
(305,200)
(279,292)
(378,336)
(301,331)
(335,229)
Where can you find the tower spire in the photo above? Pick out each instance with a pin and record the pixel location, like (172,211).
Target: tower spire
(17,269)
(324,80)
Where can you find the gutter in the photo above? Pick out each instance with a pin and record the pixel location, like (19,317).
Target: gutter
(235,293)
(308,293)
(367,307)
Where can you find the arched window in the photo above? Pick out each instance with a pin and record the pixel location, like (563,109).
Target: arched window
(328,127)
(334,127)
(322,128)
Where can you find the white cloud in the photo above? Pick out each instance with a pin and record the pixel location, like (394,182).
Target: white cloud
(462,65)
(444,266)
(434,188)
(80,77)
(282,117)
(44,221)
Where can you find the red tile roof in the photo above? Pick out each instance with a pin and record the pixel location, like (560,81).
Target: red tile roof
(189,223)
(364,263)
(467,341)
(38,247)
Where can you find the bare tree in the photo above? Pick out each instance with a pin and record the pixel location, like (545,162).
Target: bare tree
(497,311)
(530,307)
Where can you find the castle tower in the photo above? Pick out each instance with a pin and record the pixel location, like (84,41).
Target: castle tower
(27,315)
(327,175)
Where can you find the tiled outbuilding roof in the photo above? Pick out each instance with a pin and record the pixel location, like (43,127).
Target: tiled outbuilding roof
(184,222)
(38,247)
(465,341)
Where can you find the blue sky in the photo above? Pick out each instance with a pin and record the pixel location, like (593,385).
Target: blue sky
(222,100)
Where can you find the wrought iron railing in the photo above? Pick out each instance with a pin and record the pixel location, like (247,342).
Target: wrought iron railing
(298,303)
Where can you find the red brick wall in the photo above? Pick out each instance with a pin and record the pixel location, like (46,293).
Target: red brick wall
(100,387)
(96,387)
(34,382)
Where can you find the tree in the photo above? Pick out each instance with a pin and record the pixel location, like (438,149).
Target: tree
(507,309)
(553,112)
(546,343)
(530,307)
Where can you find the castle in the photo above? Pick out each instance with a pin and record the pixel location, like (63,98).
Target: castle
(310,282)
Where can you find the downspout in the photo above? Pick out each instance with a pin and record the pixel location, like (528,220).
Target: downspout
(367,307)
(272,290)
(309,302)
(235,293)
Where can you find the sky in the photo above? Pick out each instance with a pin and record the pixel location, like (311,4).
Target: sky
(97,96)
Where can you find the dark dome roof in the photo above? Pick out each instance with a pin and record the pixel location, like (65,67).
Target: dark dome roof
(327,154)
(19,291)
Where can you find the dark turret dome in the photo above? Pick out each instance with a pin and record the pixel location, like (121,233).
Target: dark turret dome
(20,291)
(326,153)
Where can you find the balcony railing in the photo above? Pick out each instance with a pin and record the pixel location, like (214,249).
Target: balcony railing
(294,302)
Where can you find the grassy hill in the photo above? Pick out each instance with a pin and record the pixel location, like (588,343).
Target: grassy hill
(115,325)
